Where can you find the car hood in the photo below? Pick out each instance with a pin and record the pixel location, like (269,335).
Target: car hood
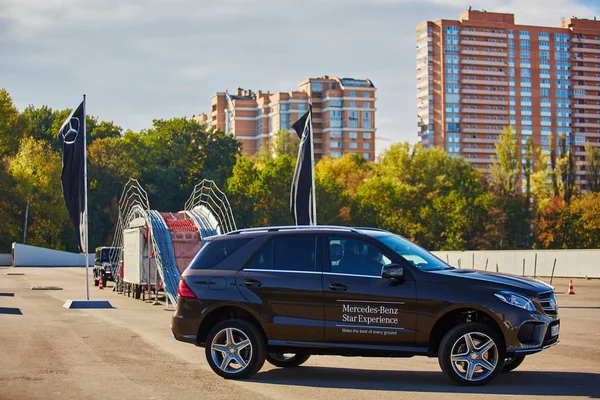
(496,281)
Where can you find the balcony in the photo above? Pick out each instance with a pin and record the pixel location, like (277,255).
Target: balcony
(483,34)
(484,92)
(586,124)
(486,63)
(483,82)
(423,84)
(585,50)
(482,130)
(586,41)
(586,69)
(588,59)
(478,140)
(587,87)
(485,121)
(586,106)
(586,78)
(483,53)
(486,102)
(482,43)
(483,72)
(479,150)
(586,96)
(483,111)
(586,115)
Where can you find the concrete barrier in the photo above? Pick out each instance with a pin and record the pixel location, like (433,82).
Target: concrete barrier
(32,256)
(5,259)
(569,263)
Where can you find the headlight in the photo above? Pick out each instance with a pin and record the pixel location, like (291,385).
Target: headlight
(516,300)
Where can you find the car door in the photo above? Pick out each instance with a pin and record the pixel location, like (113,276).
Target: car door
(360,305)
(283,283)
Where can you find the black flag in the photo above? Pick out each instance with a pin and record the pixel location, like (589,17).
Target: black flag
(72,140)
(300,199)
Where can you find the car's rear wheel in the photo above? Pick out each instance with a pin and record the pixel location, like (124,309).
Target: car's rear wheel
(235,349)
(471,354)
(285,360)
(512,363)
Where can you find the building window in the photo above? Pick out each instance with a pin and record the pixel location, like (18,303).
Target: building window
(366,104)
(335,145)
(317,86)
(335,154)
(352,104)
(366,94)
(353,135)
(335,135)
(352,94)
(366,145)
(367,156)
(353,145)
(366,135)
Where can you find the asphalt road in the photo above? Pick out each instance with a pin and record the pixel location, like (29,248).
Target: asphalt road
(49,352)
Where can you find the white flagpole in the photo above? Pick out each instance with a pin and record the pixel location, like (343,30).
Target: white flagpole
(312,164)
(85,250)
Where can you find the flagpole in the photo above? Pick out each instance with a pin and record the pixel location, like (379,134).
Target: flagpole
(312,164)
(85,250)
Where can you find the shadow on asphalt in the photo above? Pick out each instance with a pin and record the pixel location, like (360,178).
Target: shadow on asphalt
(10,310)
(523,383)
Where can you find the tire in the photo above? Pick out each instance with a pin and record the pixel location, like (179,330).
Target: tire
(512,363)
(242,332)
(280,360)
(482,369)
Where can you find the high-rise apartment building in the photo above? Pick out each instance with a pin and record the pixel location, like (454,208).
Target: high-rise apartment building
(343,115)
(482,73)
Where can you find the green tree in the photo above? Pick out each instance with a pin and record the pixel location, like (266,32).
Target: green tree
(566,168)
(36,171)
(11,127)
(285,142)
(592,169)
(505,165)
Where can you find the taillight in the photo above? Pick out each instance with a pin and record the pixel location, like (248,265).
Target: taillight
(183,290)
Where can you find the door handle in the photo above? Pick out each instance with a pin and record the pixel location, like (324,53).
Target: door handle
(252,283)
(337,287)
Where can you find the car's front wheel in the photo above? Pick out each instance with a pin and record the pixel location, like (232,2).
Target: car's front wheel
(512,363)
(235,349)
(285,360)
(471,354)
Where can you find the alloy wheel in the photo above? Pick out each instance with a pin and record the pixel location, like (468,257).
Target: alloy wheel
(231,350)
(474,356)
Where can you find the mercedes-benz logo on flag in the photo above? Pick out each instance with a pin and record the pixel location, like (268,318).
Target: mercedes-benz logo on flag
(70,130)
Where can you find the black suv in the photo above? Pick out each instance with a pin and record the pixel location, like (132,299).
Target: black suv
(104,267)
(285,293)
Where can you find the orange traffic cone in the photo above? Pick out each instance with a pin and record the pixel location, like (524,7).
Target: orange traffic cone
(571,291)
(100,285)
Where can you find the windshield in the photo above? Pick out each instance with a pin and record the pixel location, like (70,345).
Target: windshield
(414,254)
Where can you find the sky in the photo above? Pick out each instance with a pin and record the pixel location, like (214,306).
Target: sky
(139,60)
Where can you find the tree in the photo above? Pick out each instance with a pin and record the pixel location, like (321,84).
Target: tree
(566,168)
(587,209)
(36,171)
(11,127)
(504,168)
(558,227)
(284,142)
(541,181)
(592,169)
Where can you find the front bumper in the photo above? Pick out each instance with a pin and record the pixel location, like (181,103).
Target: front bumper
(528,332)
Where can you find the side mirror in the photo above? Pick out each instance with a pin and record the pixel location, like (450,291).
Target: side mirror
(392,271)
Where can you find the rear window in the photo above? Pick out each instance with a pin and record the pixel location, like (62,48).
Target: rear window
(215,252)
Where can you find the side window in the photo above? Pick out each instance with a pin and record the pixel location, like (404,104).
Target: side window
(264,258)
(217,251)
(355,256)
(288,253)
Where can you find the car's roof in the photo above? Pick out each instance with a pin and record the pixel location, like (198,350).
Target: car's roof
(293,229)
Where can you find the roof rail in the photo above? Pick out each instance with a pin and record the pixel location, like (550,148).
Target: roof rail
(292,227)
